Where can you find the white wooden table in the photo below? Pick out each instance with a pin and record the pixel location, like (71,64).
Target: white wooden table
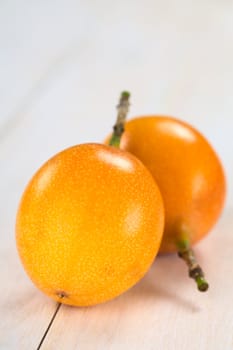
(62,66)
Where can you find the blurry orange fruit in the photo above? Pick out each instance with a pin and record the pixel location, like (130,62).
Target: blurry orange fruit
(187,170)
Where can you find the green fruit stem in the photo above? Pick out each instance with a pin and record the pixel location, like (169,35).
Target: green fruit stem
(118,129)
(186,253)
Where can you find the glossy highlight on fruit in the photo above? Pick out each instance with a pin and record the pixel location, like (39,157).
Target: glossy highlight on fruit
(187,171)
(89,224)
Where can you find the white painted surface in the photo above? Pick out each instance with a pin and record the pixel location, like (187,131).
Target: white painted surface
(62,66)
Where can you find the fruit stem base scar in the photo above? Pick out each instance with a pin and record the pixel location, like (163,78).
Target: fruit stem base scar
(61,294)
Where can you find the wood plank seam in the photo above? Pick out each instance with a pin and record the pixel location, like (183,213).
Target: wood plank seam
(49,326)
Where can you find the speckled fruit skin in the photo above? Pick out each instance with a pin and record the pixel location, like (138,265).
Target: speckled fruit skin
(187,171)
(89,224)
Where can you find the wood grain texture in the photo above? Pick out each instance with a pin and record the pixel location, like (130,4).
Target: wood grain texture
(62,66)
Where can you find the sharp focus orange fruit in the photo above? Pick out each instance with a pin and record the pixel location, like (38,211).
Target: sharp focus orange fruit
(89,224)
(187,171)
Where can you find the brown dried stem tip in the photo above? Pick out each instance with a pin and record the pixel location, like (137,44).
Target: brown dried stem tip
(186,253)
(118,129)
